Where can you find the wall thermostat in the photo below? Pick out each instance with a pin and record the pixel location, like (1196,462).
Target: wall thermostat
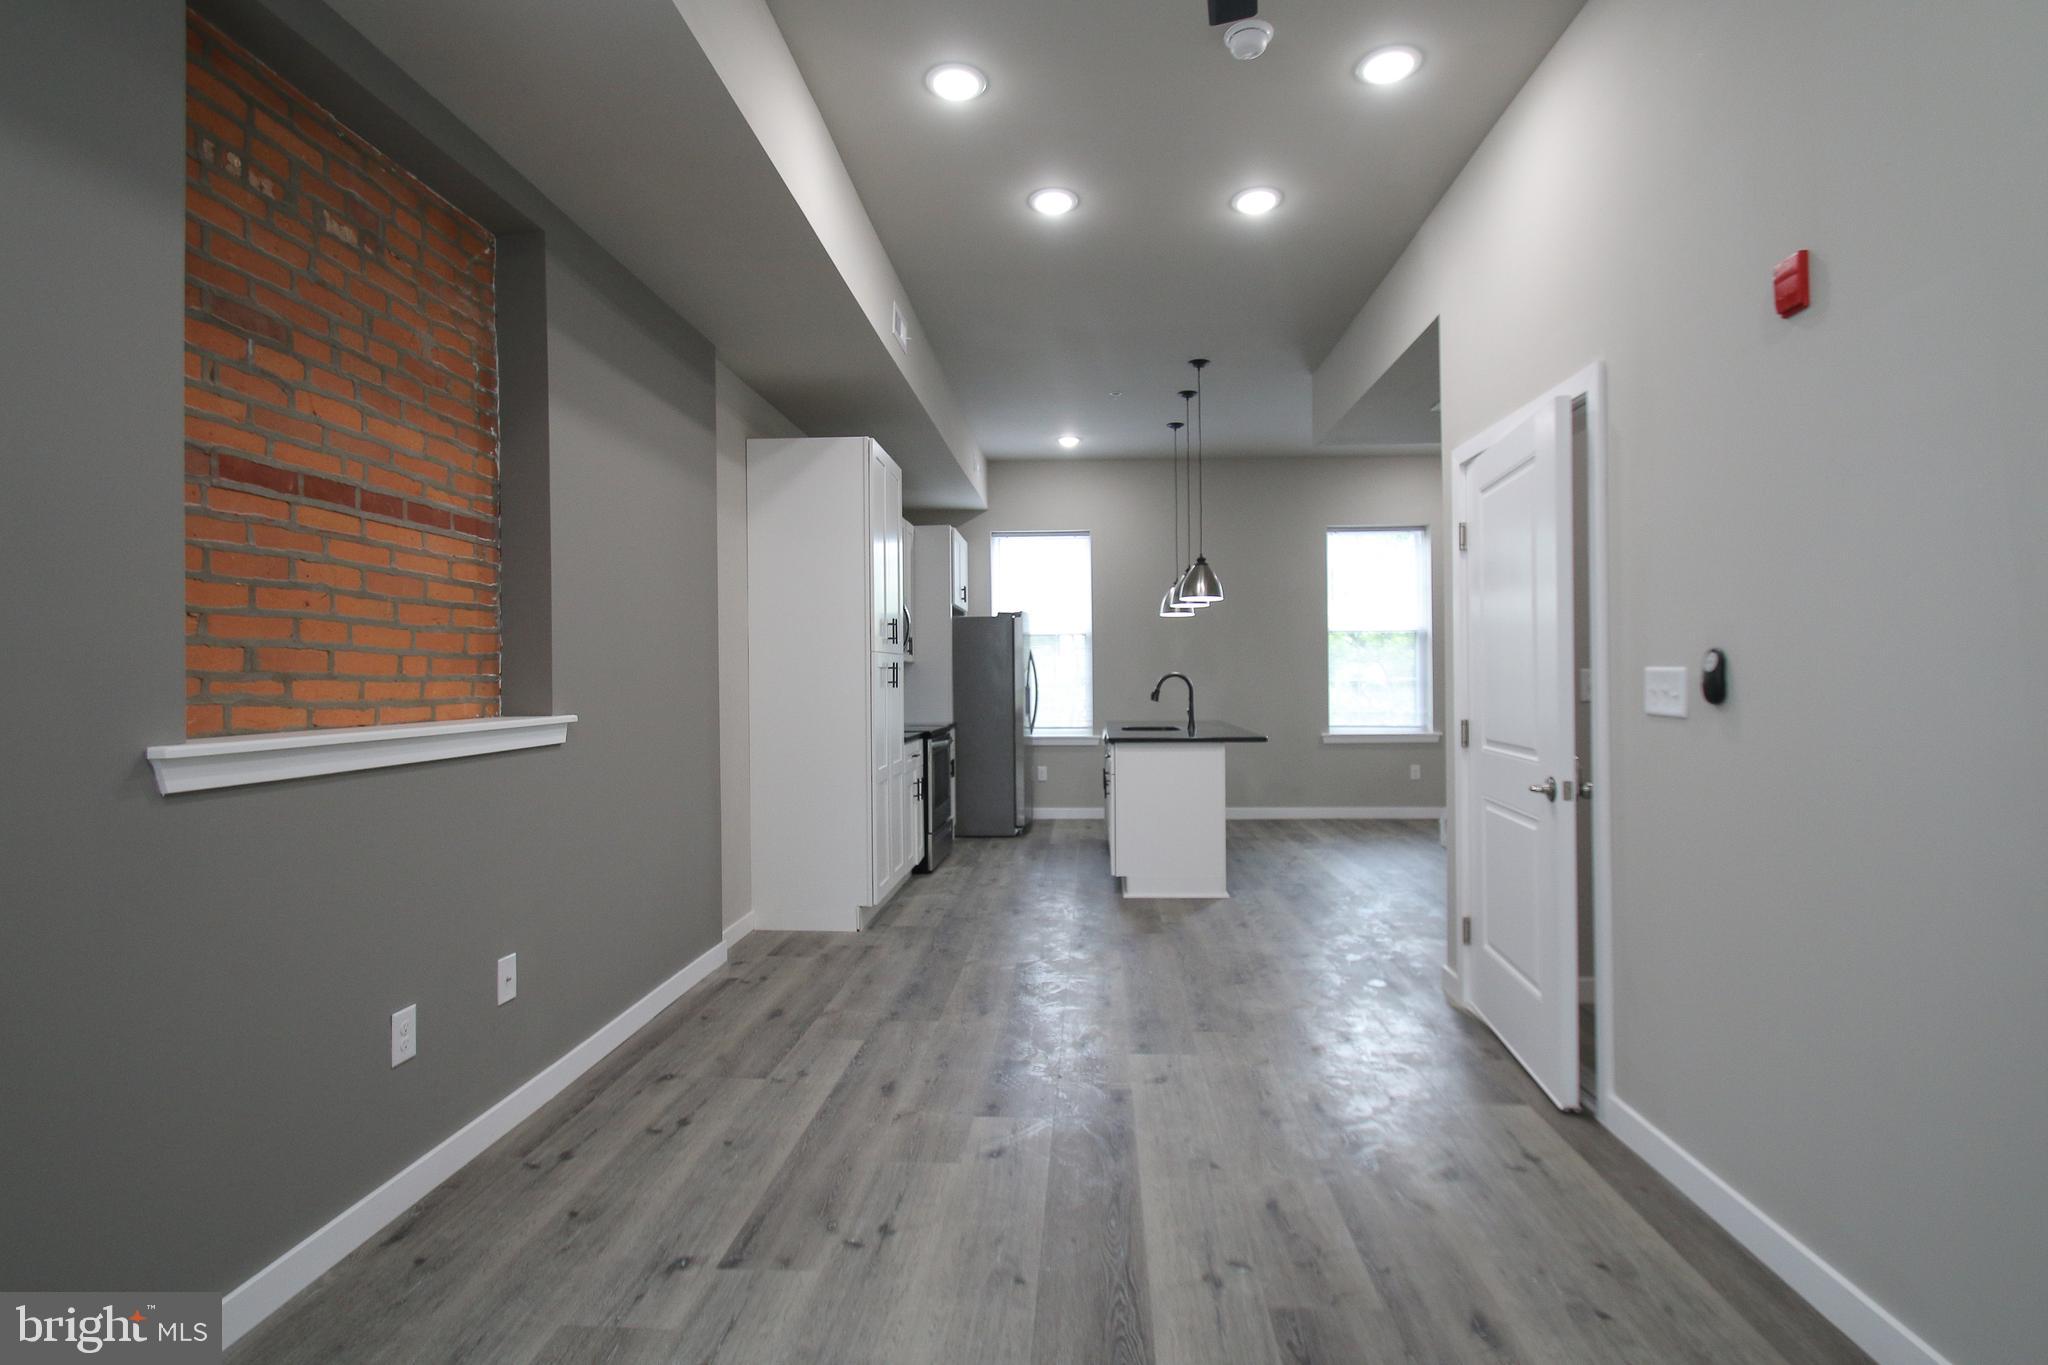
(1714,677)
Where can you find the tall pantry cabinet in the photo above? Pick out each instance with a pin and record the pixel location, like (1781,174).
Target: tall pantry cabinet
(833,796)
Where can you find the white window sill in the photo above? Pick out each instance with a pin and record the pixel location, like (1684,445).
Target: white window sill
(1382,736)
(240,760)
(1053,739)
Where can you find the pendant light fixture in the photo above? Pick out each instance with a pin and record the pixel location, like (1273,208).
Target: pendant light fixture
(1187,404)
(1170,605)
(1200,586)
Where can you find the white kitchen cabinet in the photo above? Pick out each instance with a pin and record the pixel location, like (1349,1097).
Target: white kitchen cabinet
(1164,807)
(826,673)
(1109,811)
(956,595)
(885,532)
(910,801)
(938,593)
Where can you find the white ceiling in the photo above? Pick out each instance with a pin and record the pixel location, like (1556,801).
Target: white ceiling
(1135,104)
(615,113)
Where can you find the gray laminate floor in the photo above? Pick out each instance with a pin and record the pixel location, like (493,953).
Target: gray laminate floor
(1021,1119)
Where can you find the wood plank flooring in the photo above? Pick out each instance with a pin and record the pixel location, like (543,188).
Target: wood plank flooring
(1021,1119)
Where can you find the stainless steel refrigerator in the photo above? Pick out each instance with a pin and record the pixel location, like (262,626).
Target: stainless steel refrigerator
(995,692)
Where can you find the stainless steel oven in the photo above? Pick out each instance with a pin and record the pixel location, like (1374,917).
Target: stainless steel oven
(939,771)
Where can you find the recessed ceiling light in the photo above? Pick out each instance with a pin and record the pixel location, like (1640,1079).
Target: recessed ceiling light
(1257,201)
(1387,65)
(1069,441)
(1052,202)
(955,81)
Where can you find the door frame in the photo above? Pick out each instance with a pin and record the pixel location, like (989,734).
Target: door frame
(1587,386)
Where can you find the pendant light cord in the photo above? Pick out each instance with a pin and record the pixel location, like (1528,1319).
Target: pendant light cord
(1174,428)
(1201,471)
(1187,404)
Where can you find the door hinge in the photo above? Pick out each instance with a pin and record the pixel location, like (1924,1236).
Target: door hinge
(1465,929)
(1464,734)
(1461,535)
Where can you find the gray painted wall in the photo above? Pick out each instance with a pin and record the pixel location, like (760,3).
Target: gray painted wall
(1257,658)
(743,415)
(195,992)
(1828,897)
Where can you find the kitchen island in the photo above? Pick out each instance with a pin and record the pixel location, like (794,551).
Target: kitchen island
(1162,788)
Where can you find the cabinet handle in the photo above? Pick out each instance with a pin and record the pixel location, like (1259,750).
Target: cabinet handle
(893,680)
(892,630)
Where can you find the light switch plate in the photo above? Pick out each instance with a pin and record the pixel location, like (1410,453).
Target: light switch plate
(508,977)
(1664,692)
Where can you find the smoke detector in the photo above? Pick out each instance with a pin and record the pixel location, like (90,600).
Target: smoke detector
(1247,38)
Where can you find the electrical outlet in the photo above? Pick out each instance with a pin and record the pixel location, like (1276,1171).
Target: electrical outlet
(508,978)
(1414,772)
(1041,772)
(1664,692)
(405,1035)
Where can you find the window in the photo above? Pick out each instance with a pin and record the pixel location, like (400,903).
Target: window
(1046,575)
(1379,615)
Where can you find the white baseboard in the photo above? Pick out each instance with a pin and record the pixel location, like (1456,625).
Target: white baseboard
(1453,986)
(270,1288)
(1335,813)
(739,929)
(1862,1318)
(1269,813)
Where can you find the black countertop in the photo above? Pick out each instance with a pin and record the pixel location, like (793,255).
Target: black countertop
(917,729)
(1164,732)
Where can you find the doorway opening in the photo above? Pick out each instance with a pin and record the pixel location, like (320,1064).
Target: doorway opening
(1582,726)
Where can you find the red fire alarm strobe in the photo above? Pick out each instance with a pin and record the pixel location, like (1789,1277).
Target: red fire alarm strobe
(1792,285)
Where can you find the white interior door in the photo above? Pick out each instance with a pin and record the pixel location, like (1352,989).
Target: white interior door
(1518,858)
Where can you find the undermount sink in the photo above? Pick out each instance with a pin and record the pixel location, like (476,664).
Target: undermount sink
(1154,729)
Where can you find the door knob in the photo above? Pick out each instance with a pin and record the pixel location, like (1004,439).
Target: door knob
(1546,789)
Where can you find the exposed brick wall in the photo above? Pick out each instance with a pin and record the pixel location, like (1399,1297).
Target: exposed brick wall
(341,419)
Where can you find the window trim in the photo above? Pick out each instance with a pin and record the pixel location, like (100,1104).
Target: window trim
(1426,733)
(1065,737)
(1389,736)
(1052,736)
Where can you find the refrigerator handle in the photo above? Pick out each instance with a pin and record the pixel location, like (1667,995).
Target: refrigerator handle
(1030,693)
